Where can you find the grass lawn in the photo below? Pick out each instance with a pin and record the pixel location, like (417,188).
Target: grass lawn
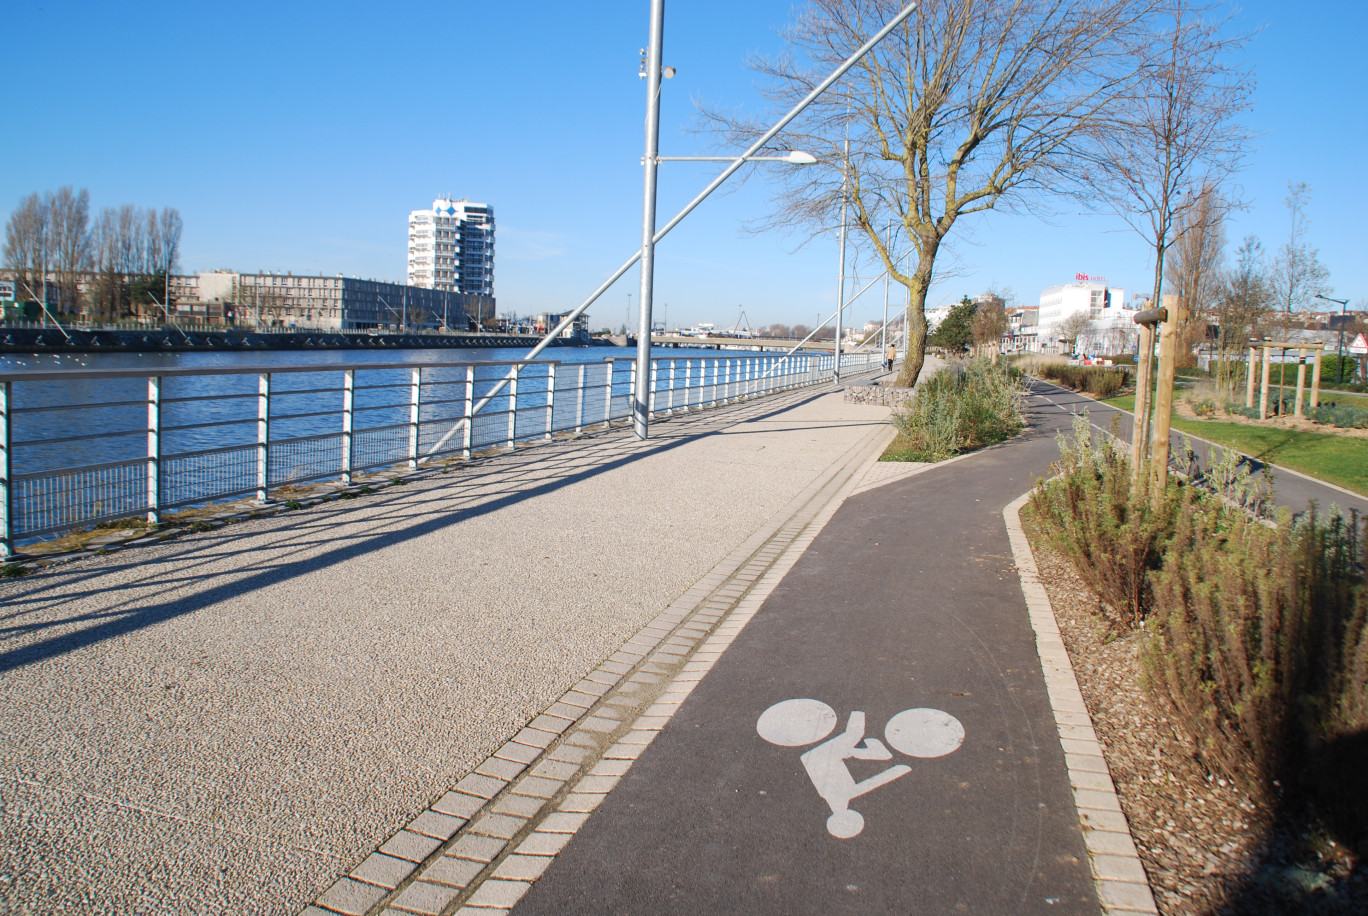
(900,449)
(1340,460)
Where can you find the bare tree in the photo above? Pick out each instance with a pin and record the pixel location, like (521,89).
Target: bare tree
(69,215)
(1195,266)
(1241,308)
(170,227)
(28,244)
(990,322)
(1176,136)
(1071,328)
(1297,272)
(970,106)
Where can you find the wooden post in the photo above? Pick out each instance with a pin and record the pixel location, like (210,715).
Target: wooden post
(1263,388)
(1140,421)
(1163,393)
(1301,380)
(1315,379)
(1249,382)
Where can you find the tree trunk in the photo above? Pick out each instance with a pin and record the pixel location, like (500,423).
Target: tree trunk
(916,333)
(917,289)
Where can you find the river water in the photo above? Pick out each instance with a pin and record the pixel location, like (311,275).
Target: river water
(102,420)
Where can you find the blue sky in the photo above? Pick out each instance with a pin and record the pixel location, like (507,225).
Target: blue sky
(298,136)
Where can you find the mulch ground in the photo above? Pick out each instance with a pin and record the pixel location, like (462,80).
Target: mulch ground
(1207,847)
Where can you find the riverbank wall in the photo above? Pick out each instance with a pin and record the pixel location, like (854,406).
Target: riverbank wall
(52,340)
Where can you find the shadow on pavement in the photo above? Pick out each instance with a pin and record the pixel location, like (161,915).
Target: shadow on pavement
(404,519)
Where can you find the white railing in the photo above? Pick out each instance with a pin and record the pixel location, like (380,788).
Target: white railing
(86,446)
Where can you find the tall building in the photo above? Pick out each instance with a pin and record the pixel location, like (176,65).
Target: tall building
(451,247)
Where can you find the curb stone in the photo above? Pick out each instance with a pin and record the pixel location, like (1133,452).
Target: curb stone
(1122,886)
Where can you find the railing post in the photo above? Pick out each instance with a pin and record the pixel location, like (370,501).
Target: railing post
(608,395)
(415,394)
(726,383)
(631,388)
(655,382)
(513,407)
(579,400)
(154,385)
(263,435)
(688,383)
(7,469)
(348,426)
(468,435)
(550,398)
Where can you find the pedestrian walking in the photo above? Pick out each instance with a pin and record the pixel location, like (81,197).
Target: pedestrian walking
(889,355)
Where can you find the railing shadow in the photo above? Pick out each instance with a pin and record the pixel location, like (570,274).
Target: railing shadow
(393,516)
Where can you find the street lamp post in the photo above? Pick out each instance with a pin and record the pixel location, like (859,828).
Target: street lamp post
(735,163)
(1344,316)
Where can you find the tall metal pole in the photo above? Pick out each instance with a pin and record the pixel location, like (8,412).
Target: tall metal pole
(641,396)
(883,331)
(840,283)
(679,217)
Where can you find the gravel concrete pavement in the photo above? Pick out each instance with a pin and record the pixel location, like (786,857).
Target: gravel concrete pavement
(227,722)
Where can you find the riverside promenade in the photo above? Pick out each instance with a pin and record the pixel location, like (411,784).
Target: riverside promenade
(739,667)
(228,722)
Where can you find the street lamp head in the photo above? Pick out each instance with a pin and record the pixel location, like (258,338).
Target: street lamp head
(800,157)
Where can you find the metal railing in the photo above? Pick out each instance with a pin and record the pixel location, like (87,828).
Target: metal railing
(87,446)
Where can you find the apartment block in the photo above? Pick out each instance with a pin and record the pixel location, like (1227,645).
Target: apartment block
(451,247)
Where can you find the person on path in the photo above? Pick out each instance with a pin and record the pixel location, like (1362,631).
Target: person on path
(890,355)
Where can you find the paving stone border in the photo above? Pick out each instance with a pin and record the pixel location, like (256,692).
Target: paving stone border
(479,847)
(1122,886)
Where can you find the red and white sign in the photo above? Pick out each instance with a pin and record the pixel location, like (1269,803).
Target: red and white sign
(1359,347)
(1084,278)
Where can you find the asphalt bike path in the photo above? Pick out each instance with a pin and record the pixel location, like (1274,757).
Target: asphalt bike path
(877,738)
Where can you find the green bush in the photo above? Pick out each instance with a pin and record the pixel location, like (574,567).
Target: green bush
(1260,648)
(1113,533)
(960,410)
(1258,628)
(1342,416)
(1099,381)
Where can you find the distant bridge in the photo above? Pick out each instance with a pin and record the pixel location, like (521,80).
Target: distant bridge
(768,343)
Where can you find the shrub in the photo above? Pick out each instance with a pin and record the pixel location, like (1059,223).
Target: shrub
(1099,381)
(959,410)
(1339,415)
(1261,649)
(1112,532)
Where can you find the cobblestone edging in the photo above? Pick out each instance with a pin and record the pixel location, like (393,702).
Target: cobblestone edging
(882,395)
(1122,886)
(479,848)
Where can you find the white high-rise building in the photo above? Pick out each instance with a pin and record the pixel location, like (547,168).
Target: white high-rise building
(451,247)
(1110,328)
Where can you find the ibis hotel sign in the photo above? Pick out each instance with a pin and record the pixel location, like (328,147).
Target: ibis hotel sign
(1084,278)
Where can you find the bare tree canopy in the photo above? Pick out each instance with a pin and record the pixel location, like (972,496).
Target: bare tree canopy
(1298,273)
(28,241)
(1174,138)
(972,105)
(1242,306)
(1195,266)
(990,321)
(1071,328)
